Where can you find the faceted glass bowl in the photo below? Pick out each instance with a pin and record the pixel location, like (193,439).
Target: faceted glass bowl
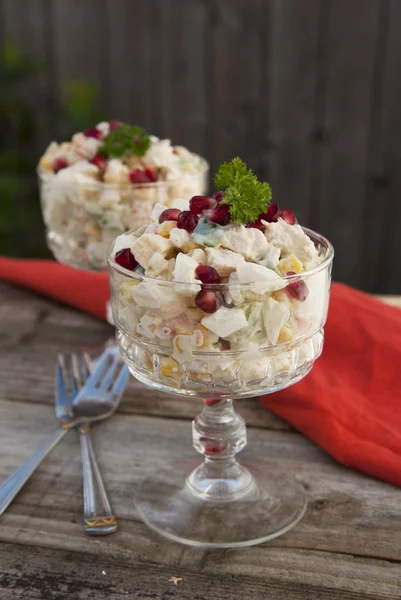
(84,216)
(221,503)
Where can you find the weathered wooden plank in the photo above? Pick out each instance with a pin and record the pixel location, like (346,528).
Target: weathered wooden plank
(338,195)
(64,575)
(130,28)
(235,81)
(185,35)
(348,543)
(385,163)
(79,50)
(290,85)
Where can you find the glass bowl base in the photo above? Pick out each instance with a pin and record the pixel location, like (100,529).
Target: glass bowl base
(270,507)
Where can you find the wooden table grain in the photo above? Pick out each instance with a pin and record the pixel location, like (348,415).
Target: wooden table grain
(348,545)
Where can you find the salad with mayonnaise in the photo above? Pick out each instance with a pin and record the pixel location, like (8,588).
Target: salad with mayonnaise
(105,181)
(221,289)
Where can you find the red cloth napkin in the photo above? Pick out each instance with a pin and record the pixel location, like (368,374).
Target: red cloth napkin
(350,404)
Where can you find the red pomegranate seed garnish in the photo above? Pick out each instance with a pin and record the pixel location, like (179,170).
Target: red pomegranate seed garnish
(59,163)
(138,176)
(219,196)
(187,220)
(150,174)
(270,214)
(298,290)
(170,214)
(214,448)
(208,301)
(126,259)
(100,161)
(210,401)
(114,124)
(219,215)
(207,274)
(198,204)
(93,132)
(287,215)
(257,225)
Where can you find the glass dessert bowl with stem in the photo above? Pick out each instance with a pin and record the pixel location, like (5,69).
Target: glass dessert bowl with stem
(105,181)
(220,311)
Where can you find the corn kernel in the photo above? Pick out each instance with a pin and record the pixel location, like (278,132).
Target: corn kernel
(169,367)
(285,335)
(166,227)
(291,263)
(195,314)
(190,246)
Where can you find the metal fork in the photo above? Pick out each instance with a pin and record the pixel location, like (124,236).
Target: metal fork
(98,393)
(69,417)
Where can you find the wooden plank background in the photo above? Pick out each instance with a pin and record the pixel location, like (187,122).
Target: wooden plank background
(307,92)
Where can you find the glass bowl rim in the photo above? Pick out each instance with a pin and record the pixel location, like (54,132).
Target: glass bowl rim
(204,165)
(225,286)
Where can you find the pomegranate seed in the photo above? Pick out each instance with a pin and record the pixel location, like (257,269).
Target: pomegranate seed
(270,214)
(257,225)
(210,401)
(287,215)
(214,449)
(219,215)
(198,204)
(298,290)
(114,124)
(126,259)
(150,174)
(138,176)
(208,301)
(187,220)
(93,132)
(100,161)
(170,214)
(207,274)
(219,196)
(59,163)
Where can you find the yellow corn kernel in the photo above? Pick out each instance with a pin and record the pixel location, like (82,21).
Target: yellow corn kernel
(282,297)
(182,329)
(190,246)
(208,336)
(169,367)
(46,162)
(125,288)
(166,227)
(285,335)
(291,263)
(93,230)
(196,315)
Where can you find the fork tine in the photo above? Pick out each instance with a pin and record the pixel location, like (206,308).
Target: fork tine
(97,375)
(86,365)
(109,376)
(77,382)
(121,381)
(63,400)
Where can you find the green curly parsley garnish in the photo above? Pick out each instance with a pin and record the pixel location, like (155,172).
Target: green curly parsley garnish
(126,139)
(248,197)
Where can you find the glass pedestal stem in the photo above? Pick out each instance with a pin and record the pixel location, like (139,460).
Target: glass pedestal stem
(219,433)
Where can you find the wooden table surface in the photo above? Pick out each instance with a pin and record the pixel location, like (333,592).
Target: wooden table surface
(348,545)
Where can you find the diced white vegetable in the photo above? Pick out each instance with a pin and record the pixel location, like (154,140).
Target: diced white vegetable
(275,316)
(224,261)
(144,247)
(179,237)
(262,279)
(291,239)
(248,241)
(184,272)
(225,321)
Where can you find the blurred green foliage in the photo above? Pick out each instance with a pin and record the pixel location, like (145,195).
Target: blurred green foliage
(20,216)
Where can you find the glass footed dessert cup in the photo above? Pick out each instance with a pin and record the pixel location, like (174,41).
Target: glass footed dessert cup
(83,216)
(221,502)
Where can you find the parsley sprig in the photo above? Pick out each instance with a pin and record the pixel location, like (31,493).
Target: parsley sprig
(247,197)
(126,139)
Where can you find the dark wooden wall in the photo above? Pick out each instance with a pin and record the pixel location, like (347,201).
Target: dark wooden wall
(308,92)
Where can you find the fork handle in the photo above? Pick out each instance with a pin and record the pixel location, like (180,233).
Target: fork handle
(13,484)
(98,516)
